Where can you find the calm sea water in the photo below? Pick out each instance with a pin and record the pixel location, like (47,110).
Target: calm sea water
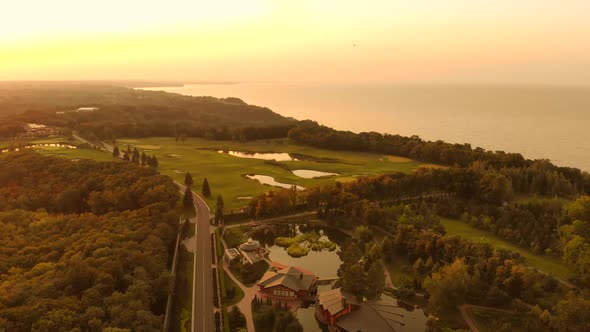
(539,122)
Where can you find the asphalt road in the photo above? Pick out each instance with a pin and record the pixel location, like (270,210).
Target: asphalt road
(202,316)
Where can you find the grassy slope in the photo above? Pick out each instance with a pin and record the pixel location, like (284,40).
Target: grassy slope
(551,265)
(224,172)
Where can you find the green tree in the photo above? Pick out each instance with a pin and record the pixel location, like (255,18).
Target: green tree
(143,158)
(219,209)
(154,162)
(580,209)
(206,190)
(116,152)
(188,203)
(135,156)
(353,280)
(572,313)
(126,156)
(188,179)
(375,280)
(237,320)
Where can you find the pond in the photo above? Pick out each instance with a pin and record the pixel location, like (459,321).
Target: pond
(32,146)
(269,180)
(311,174)
(276,156)
(324,264)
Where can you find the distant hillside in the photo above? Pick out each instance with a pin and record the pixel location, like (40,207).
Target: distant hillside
(133,113)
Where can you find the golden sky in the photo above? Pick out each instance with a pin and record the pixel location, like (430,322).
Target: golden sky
(494,41)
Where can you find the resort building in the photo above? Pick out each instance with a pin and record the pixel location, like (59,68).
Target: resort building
(39,130)
(331,305)
(288,283)
(231,254)
(345,313)
(251,252)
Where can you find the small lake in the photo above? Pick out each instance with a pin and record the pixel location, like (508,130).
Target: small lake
(311,174)
(32,146)
(269,180)
(276,156)
(324,264)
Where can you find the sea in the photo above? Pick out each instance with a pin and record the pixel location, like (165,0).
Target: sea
(541,122)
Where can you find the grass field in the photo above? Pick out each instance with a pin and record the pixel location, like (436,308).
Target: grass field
(547,264)
(225,173)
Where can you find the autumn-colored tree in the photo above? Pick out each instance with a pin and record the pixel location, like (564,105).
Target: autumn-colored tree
(219,209)
(448,287)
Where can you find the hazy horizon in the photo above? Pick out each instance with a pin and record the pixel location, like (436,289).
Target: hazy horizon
(425,42)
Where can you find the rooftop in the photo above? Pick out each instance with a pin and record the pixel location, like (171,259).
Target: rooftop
(232,253)
(251,245)
(289,277)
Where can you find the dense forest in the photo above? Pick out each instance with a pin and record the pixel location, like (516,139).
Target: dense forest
(125,112)
(85,245)
(526,171)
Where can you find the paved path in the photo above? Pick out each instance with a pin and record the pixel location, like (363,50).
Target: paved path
(203,313)
(245,304)
(464,312)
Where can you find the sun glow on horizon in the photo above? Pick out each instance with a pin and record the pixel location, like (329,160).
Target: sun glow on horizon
(425,40)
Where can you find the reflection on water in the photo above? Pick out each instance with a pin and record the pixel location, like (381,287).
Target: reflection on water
(324,264)
(306,315)
(269,180)
(32,146)
(310,174)
(276,156)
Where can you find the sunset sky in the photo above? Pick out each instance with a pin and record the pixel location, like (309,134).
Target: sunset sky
(516,41)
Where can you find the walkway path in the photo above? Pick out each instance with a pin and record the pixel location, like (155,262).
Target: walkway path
(245,304)
(464,312)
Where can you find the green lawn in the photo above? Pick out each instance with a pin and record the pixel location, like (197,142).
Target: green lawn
(547,264)
(225,172)
(75,153)
(63,152)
